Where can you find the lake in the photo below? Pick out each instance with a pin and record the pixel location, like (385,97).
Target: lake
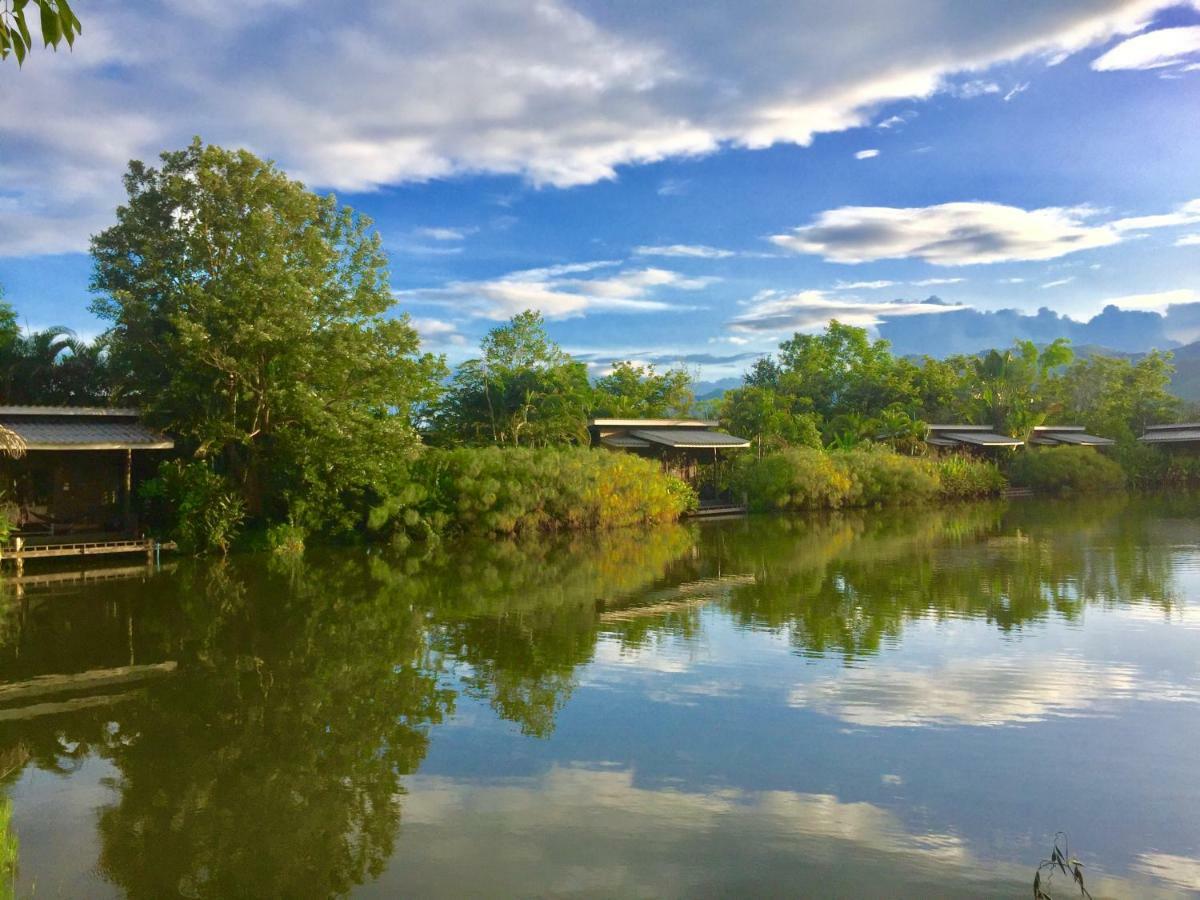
(869,704)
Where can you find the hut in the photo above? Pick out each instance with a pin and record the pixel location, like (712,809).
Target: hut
(972,438)
(1185,436)
(1069,435)
(71,470)
(691,448)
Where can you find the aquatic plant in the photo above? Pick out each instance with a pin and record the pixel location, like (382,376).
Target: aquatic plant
(1066,470)
(512,490)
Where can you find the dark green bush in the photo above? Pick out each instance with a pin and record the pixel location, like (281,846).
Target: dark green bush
(497,490)
(194,506)
(1066,470)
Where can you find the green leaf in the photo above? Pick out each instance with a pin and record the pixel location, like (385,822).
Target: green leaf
(18,46)
(51,32)
(24,27)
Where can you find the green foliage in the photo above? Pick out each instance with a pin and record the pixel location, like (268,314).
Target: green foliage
(772,419)
(55,17)
(285,539)
(251,319)
(632,391)
(870,475)
(966,477)
(193,505)
(9,850)
(522,391)
(504,491)
(1004,392)
(792,479)
(880,477)
(51,366)
(1066,470)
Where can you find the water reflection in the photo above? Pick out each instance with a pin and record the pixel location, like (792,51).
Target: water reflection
(278,754)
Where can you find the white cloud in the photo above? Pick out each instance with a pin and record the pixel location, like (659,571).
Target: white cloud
(965,233)
(408,91)
(981,692)
(445,234)
(776,311)
(1015,90)
(559,293)
(866,154)
(673,187)
(863,285)
(1153,50)
(1059,282)
(1188,240)
(1158,300)
(971,89)
(897,120)
(929,282)
(437,333)
(1181,872)
(697,251)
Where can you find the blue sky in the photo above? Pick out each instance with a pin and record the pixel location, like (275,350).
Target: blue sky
(690,187)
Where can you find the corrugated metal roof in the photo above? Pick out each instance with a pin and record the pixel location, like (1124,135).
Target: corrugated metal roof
(1075,436)
(652,423)
(690,437)
(98,411)
(94,435)
(624,442)
(982,438)
(1171,436)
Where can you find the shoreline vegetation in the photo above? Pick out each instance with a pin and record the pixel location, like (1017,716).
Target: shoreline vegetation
(254,321)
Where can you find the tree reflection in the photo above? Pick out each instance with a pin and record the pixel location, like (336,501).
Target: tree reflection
(272,761)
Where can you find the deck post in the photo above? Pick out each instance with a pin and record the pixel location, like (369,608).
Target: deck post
(127,492)
(18,545)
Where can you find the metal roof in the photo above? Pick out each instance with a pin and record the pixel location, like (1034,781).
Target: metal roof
(959,427)
(652,423)
(981,438)
(624,442)
(1171,434)
(690,438)
(101,411)
(1072,435)
(94,435)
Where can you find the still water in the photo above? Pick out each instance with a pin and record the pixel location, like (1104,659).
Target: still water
(862,705)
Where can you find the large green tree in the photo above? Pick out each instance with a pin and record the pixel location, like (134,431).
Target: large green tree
(521,391)
(249,316)
(635,391)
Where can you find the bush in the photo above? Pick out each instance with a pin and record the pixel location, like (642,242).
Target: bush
(194,506)
(797,478)
(285,539)
(1066,470)
(880,477)
(803,478)
(964,477)
(497,490)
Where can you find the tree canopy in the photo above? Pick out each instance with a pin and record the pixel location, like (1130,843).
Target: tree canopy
(249,317)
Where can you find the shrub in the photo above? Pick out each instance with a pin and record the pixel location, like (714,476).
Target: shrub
(964,477)
(1066,470)
(497,490)
(880,477)
(285,539)
(194,506)
(797,478)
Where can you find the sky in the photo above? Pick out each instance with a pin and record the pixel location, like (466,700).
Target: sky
(684,188)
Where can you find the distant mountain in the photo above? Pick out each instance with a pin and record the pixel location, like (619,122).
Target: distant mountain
(973,331)
(713,390)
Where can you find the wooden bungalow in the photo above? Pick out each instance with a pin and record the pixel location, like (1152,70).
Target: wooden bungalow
(972,438)
(1184,436)
(73,470)
(691,448)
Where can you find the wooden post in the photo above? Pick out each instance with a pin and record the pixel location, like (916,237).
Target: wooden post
(18,545)
(127,500)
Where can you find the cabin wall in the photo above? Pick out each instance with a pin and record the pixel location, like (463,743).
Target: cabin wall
(83,489)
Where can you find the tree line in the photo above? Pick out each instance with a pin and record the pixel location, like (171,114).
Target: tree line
(252,319)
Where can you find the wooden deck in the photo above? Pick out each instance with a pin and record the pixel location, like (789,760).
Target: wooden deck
(20,551)
(711,510)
